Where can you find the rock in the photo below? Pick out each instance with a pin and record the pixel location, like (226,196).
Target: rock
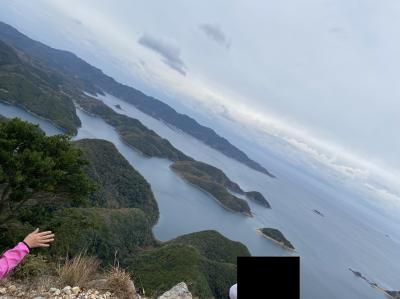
(12,288)
(3,291)
(99,284)
(38,297)
(180,291)
(76,290)
(67,290)
(55,291)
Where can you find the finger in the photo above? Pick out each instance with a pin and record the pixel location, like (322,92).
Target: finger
(46,237)
(46,241)
(45,233)
(43,245)
(35,231)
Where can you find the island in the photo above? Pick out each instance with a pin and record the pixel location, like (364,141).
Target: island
(357,273)
(276,236)
(391,294)
(132,131)
(318,213)
(258,198)
(214,182)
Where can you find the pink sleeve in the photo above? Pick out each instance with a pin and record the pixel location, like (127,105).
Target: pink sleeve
(12,258)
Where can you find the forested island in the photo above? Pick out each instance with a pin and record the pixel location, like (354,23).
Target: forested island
(258,198)
(276,236)
(212,181)
(132,131)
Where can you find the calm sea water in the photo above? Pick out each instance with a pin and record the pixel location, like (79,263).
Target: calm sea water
(352,233)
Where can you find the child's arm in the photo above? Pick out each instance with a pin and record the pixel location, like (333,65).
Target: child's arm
(11,258)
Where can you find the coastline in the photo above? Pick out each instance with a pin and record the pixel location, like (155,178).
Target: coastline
(275,241)
(209,194)
(63,130)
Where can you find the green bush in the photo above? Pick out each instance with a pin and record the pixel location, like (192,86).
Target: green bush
(102,232)
(31,266)
(214,246)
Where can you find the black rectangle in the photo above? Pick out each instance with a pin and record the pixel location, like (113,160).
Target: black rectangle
(268,277)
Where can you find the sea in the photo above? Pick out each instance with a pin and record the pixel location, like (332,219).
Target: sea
(351,231)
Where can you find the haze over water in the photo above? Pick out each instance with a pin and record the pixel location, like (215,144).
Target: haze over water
(352,233)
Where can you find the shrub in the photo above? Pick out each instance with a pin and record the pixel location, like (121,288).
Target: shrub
(78,270)
(31,266)
(119,281)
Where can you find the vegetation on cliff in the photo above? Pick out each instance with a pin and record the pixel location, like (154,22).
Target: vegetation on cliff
(214,246)
(33,166)
(105,233)
(161,268)
(35,88)
(118,184)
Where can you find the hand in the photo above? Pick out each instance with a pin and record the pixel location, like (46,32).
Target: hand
(36,239)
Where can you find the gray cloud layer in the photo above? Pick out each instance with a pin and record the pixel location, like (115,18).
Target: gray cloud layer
(169,52)
(215,33)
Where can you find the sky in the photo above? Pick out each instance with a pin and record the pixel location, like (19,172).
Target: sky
(321,75)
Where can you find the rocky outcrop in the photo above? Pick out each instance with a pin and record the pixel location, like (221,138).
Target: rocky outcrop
(98,290)
(180,291)
(68,292)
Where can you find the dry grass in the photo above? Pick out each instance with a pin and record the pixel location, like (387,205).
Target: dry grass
(120,283)
(78,271)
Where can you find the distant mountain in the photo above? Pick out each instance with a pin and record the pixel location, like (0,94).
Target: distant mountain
(132,131)
(93,80)
(35,88)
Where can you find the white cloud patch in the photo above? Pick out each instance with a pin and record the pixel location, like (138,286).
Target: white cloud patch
(168,50)
(215,33)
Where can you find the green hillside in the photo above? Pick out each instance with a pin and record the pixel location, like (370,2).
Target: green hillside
(214,246)
(36,89)
(119,185)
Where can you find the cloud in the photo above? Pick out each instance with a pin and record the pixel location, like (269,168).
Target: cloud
(215,33)
(169,52)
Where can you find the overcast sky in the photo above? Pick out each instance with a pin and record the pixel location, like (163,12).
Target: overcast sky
(321,74)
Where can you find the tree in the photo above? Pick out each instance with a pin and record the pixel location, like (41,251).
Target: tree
(36,166)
